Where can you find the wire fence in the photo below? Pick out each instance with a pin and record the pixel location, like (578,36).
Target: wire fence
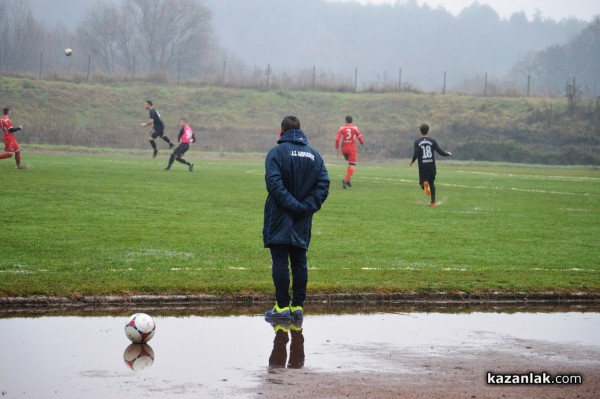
(89,69)
(383,144)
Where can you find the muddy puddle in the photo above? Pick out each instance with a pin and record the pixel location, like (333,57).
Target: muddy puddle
(242,356)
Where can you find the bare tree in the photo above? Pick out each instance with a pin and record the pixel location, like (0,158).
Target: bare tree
(20,36)
(172,31)
(164,35)
(573,94)
(55,40)
(99,33)
(126,39)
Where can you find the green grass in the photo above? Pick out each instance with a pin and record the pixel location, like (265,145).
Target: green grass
(78,224)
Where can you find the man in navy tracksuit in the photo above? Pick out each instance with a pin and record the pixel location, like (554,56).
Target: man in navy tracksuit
(297,184)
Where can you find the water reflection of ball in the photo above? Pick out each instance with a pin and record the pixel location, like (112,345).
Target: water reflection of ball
(138,357)
(140,328)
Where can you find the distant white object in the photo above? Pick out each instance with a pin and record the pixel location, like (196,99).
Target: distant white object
(68,52)
(140,328)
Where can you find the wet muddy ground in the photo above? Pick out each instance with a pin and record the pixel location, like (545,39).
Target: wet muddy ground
(385,354)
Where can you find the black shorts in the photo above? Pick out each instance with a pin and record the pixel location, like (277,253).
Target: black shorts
(156,133)
(181,149)
(426,174)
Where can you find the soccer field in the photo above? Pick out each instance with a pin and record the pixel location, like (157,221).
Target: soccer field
(110,224)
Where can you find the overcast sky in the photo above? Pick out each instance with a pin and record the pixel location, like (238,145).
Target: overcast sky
(555,9)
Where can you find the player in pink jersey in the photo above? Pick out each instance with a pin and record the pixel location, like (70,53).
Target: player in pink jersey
(348,134)
(185,138)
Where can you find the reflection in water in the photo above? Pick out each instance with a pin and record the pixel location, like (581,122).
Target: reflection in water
(228,357)
(284,329)
(139,357)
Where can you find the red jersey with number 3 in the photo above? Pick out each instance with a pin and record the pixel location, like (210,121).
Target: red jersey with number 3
(348,134)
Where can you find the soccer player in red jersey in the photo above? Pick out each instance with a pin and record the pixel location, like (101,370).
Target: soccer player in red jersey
(424,150)
(10,143)
(348,134)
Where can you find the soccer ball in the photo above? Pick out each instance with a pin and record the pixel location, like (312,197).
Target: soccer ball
(68,52)
(138,357)
(140,328)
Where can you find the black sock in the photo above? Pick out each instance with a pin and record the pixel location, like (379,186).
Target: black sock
(183,161)
(171,161)
(432,188)
(165,138)
(153,144)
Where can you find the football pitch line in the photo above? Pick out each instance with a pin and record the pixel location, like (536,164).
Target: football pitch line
(527,190)
(536,177)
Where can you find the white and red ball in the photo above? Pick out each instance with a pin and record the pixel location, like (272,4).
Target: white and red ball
(139,357)
(140,328)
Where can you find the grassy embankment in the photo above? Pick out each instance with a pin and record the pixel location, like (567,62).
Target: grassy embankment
(527,130)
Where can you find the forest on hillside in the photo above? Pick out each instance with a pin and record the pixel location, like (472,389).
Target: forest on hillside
(313,44)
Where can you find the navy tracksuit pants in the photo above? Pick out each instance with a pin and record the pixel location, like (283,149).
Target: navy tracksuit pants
(282,257)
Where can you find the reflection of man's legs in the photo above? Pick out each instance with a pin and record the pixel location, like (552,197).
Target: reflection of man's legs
(296,349)
(279,352)
(299,275)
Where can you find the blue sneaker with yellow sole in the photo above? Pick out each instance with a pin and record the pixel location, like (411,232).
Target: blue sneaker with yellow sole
(278,313)
(297,312)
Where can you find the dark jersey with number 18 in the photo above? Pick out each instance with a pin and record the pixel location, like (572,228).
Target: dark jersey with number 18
(424,152)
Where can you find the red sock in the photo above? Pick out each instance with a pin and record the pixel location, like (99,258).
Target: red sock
(5,155)
(350,172)
(18,158)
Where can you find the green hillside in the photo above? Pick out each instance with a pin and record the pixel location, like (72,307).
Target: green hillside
(106,115)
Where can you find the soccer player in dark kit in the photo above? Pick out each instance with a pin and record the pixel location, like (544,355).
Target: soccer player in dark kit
(185,138)
(158,127)
(424,151)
